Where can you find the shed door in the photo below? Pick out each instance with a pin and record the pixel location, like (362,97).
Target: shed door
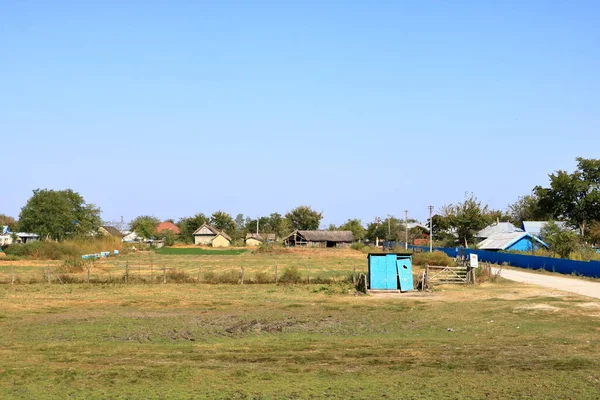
(404,266)
(391,272)
(378,268)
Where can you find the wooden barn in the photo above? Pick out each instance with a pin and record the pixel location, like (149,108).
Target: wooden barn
(319,239)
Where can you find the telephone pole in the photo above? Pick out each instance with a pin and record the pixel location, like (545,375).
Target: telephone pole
(430,229)
(406,229)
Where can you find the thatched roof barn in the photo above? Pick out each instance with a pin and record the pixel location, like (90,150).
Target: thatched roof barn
(319,239)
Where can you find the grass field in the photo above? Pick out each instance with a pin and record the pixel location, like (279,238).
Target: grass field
(199,251)
(117,341)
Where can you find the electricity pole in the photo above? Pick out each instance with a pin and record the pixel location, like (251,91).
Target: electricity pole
(406,229)
(389,218)
(257,227)
(430,229)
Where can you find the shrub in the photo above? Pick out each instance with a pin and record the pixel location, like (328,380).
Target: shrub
(179,276)
(435,258)
(290,275)
(72,266)
(357,246)
(263,277)
(222,277)
(68,249)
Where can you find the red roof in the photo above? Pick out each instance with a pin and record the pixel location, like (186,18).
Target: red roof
(164,226)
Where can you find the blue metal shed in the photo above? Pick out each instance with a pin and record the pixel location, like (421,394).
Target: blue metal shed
(390,271)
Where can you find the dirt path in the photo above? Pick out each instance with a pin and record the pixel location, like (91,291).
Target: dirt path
(573,285)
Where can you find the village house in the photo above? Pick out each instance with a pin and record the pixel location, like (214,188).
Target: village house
(304,238)
(168,226)
(513,241)
(207,235)
(110,231)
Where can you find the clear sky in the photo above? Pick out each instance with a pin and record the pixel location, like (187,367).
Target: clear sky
(358,109)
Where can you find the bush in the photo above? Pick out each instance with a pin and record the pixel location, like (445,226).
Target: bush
(290,275)
(68,249)
(222,277)
(262,277)
(357,246)
(178,276)
(435,258)
(72,266)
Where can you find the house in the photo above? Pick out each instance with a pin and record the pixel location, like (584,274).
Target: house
(512,241)
(168,226)
(256,239)
(129,237)
(535,227)
(496,228)
(303,238)
(110,231)
(210,236)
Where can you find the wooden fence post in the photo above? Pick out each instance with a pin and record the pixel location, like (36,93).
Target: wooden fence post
(354,275)
(242,276)
(87,276)
(127,272)
(164,274)
(12,277)
(276,276)
(48,276)
(309,266)
(199,272)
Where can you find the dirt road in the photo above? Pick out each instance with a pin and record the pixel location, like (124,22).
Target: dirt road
(567,284)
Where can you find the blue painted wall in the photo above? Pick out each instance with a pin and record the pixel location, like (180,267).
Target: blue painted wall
(523,244)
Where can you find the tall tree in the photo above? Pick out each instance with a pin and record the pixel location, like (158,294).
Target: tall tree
(6,220)
(574,197)
(223,222)
(145,226)
(390,228)
(188,226)
(466,218)
(562,241)
(59,214)
(304,218)
(526,208)
(356,227)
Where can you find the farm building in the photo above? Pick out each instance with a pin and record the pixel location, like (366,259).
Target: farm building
(167,226)
(256,239)
(535,227)
(514,241)
(319,239)
(210,236)
(496,228)
(110,231)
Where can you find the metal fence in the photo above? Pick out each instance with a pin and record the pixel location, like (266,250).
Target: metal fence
(584,268)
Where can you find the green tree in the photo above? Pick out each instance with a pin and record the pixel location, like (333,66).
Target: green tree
(526,208)
(223,222)
(59,214)
(304,218)
(145,226)
(8,221)
(575,197)
(562,241)
(356,227)
(188,226)
(466,218)
(390,228)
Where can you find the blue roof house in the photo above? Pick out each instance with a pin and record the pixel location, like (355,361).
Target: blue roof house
(514,241)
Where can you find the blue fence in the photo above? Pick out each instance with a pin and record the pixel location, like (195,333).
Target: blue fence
(585,268)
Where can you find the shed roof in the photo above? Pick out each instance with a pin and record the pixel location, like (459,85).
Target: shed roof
(326,236)
(226,236)
(502,241)
(496,228)
(112,231)
(261,236)
(535,227)
(167,226)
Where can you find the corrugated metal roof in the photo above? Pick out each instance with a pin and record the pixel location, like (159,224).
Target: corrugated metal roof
(496,228)
(535,227)
(502,241)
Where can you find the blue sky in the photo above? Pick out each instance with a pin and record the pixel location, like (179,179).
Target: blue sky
(358,109)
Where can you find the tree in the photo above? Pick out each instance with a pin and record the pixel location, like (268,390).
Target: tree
(526,208)
(145,226)
(562,241)
(304,218)
(575,197)
(594,233)
(59,214)
(188,226)
(240,222)
(390,228)
(356,227)
(466,218)
(223,222)
(8,221)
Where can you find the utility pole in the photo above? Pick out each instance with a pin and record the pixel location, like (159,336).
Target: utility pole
(430,229)
(389,218)
(257,227)
(406,229)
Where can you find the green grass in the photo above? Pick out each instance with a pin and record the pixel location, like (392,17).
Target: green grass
(199,251)
(282,342)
